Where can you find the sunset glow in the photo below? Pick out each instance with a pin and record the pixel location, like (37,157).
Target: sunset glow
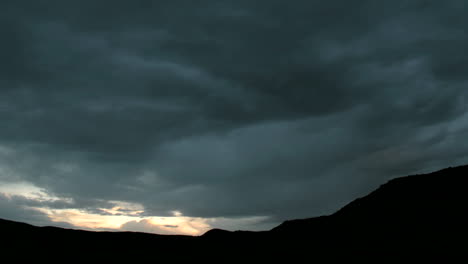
(160,225)
(120,216)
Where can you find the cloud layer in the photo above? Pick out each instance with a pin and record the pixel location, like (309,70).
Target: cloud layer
(233,109)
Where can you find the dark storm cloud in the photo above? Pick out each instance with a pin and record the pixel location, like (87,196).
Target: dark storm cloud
(16,211)
(229,108)
(18,208)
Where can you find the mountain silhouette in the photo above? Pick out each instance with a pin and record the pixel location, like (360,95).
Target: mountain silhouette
(420,216)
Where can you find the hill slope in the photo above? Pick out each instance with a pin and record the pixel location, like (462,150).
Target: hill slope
(420,215)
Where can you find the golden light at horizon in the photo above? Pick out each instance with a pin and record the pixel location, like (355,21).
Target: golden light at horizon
(118,216)
(122,216)
(160,225)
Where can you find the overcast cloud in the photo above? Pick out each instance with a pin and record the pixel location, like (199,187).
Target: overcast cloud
(227,109)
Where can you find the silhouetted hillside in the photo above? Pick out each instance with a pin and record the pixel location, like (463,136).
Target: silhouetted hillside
(412,201)
(421,215)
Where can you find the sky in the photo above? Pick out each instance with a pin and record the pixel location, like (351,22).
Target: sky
(175,117)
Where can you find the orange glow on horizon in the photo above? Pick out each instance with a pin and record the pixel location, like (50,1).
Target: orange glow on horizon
(159,225)
(119,215)
(122,216)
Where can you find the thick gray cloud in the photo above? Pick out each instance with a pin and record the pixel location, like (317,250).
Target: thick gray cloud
(20,209)
(229,108)
(14,209)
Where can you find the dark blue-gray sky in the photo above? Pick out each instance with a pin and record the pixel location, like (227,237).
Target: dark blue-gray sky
(226,109)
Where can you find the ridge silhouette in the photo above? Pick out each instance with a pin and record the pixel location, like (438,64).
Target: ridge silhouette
(421,216)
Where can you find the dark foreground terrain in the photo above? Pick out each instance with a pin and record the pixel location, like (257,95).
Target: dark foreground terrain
(420,217)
